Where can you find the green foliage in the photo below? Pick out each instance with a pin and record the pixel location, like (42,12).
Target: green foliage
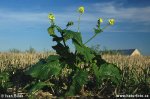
(75,73)
(68,34)
(79,79)
(39,85)
(76,63)
(69,24)
(51,30)
(107,71)
(4,81)
(84,51)
(45,68)
(96,48)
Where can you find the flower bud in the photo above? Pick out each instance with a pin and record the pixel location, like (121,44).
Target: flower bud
(100,20)
(51,17)
(111,21)
(81,9)
(70,23)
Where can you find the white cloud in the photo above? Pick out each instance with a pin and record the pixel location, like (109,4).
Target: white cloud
(92,13)
(105,10)
(134,14)
(6,15)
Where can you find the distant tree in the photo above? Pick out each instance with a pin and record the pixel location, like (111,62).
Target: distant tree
(31,50)
(110,52)
(14,50)
(96,48)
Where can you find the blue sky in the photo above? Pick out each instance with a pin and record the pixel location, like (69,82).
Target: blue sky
(24,23)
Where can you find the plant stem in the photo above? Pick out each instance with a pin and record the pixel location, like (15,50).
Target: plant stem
(79,23)
(105,27)
(95,35)
(78,31)
(90,39)
(66,28)
(62,35)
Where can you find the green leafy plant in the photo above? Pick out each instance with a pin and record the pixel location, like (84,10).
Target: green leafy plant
(4,81)
(79,66)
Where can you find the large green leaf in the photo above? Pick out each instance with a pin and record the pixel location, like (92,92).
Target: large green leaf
(52,58)
(96,71)
(68,34)
(80,78)
(4,80)
(39,85)
(45,69)
(107,71)
(80,47)
(83,50)
(51,30)
(61,49)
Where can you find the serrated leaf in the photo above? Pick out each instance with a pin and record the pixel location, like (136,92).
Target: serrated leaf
(49,69)
(68,34)
(80,47)
(5,80)
(4,76)
(45,69)
(52,58)
(107,71)
(39,86)
(96,71)
(61,49)
(83,50)
(80,78)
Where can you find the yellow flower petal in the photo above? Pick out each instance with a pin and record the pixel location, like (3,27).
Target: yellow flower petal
(100,20)
(81,9)
(51,16)
(111,21)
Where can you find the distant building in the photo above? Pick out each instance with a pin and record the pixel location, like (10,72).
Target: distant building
(130,52)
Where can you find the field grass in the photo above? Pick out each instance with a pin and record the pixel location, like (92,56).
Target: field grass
(19,60)
(137,63)
(135,70)
(23,60)
(135,73)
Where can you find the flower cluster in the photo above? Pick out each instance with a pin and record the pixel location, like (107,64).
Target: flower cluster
(81,10)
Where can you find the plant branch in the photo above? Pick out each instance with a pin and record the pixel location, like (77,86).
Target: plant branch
(90,39)
(105,27)
(62,35)
(79,23)
(95,35)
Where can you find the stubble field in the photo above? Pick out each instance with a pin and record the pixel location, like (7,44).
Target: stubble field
(135,70)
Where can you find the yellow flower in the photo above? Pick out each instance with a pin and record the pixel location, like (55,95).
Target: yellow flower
(100,20)
(51,16)
(111,21)
(81,9)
